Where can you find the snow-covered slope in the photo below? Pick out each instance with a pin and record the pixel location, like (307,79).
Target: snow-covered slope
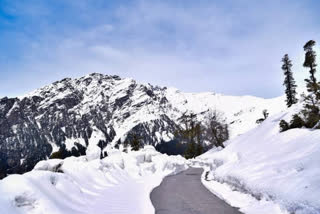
(120,183)
(101,109)
(241,112)
(270,166)
(261,170)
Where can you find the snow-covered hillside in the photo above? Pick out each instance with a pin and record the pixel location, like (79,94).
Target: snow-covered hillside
(261,171)
(102,109)
(120,183)
(270,166)
(241,112)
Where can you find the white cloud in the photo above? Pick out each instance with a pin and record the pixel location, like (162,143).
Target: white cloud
(196,46)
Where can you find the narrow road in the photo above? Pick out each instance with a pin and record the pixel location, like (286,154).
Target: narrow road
(184,193)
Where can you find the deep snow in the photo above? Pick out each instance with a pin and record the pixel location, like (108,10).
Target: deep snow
(120,183)
(270,166)
(261,171)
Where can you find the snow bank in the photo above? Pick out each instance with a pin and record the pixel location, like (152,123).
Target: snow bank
(119,183)
(272,167)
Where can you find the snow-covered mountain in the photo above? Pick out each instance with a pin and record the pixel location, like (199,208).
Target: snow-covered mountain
(262,171)
(102,110)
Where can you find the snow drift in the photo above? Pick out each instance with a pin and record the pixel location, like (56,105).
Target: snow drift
(119,183)
(269,166)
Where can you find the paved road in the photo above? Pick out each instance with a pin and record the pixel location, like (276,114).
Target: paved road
(185,194)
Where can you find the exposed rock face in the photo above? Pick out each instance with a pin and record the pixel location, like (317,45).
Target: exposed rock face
(98,109)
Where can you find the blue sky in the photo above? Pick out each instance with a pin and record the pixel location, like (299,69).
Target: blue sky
(230,47)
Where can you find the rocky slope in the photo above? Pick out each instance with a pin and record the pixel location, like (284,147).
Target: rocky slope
(101,110)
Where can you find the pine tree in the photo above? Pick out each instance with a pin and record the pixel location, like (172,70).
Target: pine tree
(284,126)
(310,62)
(135,142)
(191,150)
(311,111)
(289,82)
(198,133)
(296,122)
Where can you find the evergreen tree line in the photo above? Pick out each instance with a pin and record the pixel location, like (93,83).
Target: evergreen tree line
(309,117)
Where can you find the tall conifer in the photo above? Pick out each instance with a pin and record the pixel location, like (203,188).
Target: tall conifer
(311,111)
(310,62)
(289,82)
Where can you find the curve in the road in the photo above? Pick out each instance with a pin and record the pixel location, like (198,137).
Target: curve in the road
(184,193)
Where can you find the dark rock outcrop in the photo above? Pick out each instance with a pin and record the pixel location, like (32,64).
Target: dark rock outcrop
(69,114)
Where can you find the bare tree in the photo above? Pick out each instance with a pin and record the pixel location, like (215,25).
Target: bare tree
(216,128)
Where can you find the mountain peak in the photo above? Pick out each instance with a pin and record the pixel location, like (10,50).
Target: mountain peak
(103,110)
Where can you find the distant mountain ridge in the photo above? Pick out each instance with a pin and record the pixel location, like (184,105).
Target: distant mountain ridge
(104,109)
